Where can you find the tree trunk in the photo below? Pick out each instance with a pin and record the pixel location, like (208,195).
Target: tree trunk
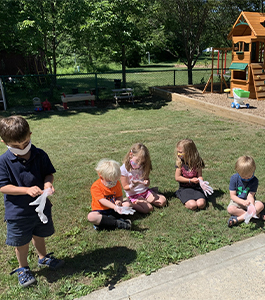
(189,65)
(123,66)
(190,76)
(54,56)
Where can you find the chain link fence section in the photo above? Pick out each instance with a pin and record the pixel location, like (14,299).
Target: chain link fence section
(21,89)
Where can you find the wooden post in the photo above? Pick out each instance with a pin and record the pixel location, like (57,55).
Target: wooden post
(212,70)
(222,72)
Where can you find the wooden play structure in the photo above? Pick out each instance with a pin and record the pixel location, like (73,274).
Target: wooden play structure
(247,67)
(223,52)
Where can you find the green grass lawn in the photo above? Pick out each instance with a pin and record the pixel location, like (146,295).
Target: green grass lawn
(76,140)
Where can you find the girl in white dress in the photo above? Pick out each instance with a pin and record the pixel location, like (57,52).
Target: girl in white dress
(135,180)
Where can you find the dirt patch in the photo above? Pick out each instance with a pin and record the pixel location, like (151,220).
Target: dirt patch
(222,99)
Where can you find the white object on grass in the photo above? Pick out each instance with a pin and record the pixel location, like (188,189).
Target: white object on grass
(251,213)
(205,187)
(124,210)
(41,202)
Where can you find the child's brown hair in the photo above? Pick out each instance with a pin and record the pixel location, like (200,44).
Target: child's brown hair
(191,155)
(14,129)
(140,150)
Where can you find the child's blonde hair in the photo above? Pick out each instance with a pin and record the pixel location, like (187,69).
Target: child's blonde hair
(109,169)
(191,155)
(141,151)
(245,166)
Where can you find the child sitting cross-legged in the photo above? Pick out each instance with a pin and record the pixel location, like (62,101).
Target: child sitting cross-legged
(243,187)
(107,198)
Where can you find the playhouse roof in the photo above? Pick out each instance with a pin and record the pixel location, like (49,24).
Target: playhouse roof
(249,23)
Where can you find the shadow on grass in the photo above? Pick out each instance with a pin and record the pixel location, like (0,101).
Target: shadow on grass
(169,195)
(212,198)
(108,261)
(144,103)
(259,224)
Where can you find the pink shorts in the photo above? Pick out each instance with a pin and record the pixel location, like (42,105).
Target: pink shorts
(144,195)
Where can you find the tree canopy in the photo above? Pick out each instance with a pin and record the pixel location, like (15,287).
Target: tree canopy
(118,30)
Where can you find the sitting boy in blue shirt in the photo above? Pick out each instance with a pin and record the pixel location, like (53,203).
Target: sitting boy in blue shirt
(243,187)
(25,171)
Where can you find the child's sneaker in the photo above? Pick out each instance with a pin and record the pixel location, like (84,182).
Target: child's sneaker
(95,227)
(124,224)
(25,277)
(51,262)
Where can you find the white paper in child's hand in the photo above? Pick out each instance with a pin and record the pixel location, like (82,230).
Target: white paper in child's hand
(41,202)
(124,210)
(251,213)
(205,187)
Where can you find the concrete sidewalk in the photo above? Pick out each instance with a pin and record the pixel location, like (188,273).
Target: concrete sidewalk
(232,272)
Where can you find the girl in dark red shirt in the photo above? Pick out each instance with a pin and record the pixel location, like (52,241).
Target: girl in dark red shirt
(189,167)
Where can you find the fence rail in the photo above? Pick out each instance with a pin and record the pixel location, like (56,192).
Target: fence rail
(21,89)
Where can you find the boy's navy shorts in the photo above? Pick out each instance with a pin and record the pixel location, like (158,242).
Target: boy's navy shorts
(21,231)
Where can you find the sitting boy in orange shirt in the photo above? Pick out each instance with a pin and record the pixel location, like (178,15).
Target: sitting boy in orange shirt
(107,197)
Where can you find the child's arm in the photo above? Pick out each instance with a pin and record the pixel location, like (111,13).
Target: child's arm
(126,184)
(238,200)
(10,189)
(107,203)
(251,197)
(32,191)
(48,182)
(180,178)
(200,174)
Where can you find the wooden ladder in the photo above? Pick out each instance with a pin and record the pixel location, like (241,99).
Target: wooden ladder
(2,94)
(259,80)
(40,70)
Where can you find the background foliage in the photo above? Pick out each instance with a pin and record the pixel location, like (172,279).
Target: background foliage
(94,32)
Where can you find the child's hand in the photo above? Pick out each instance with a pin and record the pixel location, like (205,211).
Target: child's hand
(251,213)
(118,203)
(134,183)
(246,202)
(146,182)
(34,191)
(194,180)
(48,185)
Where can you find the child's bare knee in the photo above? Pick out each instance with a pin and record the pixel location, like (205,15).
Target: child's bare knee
(201,204)
(150,208)
(163,201)
(191,205)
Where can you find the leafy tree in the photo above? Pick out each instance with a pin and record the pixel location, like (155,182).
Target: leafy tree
(9,16)
(185,23)
(46,24)
(115,27)
(223,15)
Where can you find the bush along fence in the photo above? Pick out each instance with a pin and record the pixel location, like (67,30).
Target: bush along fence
(21,89)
